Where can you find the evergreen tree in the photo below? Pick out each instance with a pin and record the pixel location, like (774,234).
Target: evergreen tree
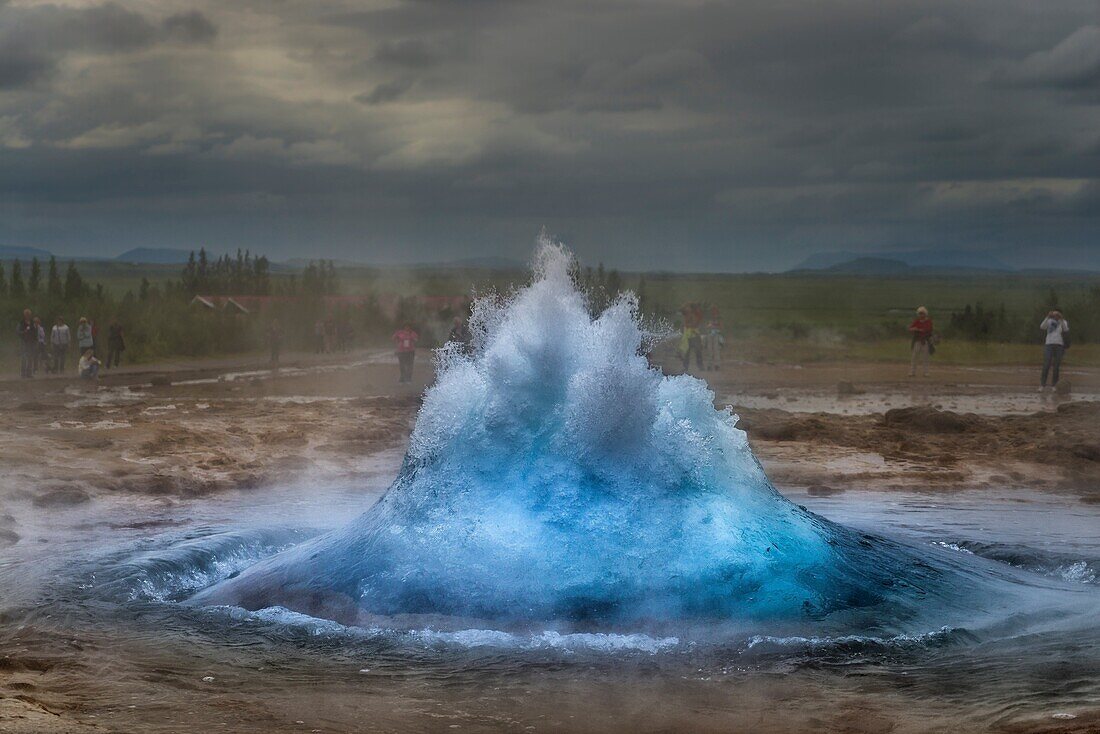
(203,271)
(331,284)
(310,279)
(18,289)
(53,280)
(237,278)
(143,291)
(3,281)
(35,278)
(261,278)
(74,284)
(614,284)
(190,274)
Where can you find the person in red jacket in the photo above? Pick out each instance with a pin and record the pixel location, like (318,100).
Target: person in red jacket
(405,340)
(921,346)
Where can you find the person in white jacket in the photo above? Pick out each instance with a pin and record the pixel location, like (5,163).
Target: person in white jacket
(1056,329)
(60,338)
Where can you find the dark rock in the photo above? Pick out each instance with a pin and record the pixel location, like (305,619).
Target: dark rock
(785,431)
(1086,451)
(821,490)
(931,420)
(61,497)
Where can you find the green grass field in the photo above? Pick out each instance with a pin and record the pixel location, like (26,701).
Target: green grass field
(777,317)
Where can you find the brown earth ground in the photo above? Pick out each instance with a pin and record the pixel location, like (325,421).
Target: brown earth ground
(191,428)
(182,430)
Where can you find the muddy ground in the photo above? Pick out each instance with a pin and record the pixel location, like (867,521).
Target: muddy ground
(184,430)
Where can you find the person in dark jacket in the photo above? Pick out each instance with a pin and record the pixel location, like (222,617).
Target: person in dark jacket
(28,344)
(116,344)
(275,341)
(461,334)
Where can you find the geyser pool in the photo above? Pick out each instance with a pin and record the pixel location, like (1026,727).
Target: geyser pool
(553,475)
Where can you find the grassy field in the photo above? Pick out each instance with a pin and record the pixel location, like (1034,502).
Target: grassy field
(779,350)
(773,317)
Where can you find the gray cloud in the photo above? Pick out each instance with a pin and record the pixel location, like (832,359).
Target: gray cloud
(190,27)
(385,92)
(1073,63)
(413,53)
(666,134)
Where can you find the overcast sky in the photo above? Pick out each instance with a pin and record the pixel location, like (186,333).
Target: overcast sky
(649,134)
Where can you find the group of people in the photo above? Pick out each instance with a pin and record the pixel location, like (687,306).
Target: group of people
(1055,328)
(332,335)
(702,336)
(49,351)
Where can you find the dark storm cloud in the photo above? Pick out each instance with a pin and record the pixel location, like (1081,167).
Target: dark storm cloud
(414,53)
(673,133)
(386,92)
(35,38)
(191,26)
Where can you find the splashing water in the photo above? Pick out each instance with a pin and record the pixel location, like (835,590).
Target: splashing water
(554,475)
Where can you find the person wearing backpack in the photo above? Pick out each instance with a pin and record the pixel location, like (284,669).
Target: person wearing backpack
(1056,329)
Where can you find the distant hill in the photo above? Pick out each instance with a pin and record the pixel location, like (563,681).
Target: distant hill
(479,263)
(154,256)
(12,252)
(469,263)
(918,259)
(869,266)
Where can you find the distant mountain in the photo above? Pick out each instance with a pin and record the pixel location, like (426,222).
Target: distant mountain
(869,266)
(470,263)
(13,252)
(920,259)
(479,263)
(154,256)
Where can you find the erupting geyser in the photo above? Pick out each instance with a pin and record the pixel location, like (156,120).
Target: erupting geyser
(554,475)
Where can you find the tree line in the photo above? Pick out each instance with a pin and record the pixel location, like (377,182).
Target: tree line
(245,275)
(69,288)
(977,322)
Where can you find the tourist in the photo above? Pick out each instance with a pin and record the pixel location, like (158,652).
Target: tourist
(1056,329)
(84,338)
(40,355)
(920,347)
(330,335)
(28,344)
(59,344)
(714,340)
(344,333)
(461,335)
(405,340)
(690,340)
(116,344)
(275,340)
(88,366)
